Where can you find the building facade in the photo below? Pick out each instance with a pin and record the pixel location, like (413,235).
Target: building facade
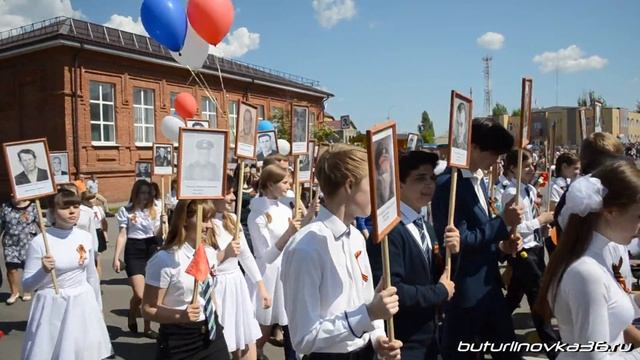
(101,93)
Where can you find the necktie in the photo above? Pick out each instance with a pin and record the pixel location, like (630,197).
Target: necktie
(419,223)
(537,235)
(205,293)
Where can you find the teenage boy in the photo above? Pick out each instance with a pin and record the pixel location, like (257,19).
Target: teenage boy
(334,311)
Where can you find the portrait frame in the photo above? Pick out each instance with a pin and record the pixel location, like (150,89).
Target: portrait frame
(160,169)
(525,112)
(460,139)
(412,137)
(582,119)
(138,167)
(195,124)
(246,150)
(60,179)
(299,114)
(306,175)
(27,190)
(273,136)
(597,116)
(385,214)
(196,143)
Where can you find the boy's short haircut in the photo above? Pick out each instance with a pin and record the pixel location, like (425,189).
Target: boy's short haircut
(598,149)
(489,135)
(339,163)
(412,160)
(275,159)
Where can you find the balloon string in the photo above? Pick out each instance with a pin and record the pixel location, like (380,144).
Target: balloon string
(224,92)
(206,88)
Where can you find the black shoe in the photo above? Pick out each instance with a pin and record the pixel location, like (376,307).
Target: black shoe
(132,323)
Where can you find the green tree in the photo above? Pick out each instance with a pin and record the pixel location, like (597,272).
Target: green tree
(426,128)
(280,119)
(360,139)
(323,133)
(587,99)
(499,109)
(515,112)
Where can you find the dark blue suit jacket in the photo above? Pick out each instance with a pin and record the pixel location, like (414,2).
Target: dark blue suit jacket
(419,291)
(475,269)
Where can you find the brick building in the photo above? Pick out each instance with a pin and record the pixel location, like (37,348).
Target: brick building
(100,94)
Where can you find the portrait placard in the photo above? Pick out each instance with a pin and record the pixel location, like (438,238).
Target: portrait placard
(525,113)
(162,159)
(246,130)
(306,164)
(29,169)
(60,166)
(267,145)
(299,130)
(460,130)
(198,124)
(143,170)
(383,179)
(202,163)
(582,116)
(412,141)
(597,116)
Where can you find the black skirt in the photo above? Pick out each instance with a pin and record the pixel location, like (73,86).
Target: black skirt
(137,252)
(191,341)
(364,353)
(102,241)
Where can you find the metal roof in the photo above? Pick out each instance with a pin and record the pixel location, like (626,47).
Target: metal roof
(65,28)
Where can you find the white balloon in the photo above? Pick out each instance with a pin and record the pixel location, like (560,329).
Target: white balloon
(194,51)
(283,147)
(170,127)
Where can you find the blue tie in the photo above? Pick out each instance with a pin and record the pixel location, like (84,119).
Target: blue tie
(205,293)
(419,223)
(537,235)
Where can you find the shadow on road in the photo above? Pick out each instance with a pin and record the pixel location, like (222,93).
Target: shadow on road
(8,326)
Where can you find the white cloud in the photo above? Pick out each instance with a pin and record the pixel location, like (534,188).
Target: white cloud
(331,12)
(571,59)
(491,41)
(237,43)
(126,23)
(16,13)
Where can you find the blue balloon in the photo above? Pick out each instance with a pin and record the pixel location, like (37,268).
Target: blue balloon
(265,125)
(165,21)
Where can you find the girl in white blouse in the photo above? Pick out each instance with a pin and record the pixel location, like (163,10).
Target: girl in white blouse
(67,325)
(237,313)
(184,331)
(582,286)
(139,224)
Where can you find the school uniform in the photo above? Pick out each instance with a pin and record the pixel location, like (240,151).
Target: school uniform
(236,311)
(327,284)
(142,242)
(98,216)
(70,324)
(414,273)
(203,339)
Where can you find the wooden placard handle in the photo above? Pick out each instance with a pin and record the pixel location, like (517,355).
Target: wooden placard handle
(386,273)
(450,219)
(194,298)
(54,278)
(239,197)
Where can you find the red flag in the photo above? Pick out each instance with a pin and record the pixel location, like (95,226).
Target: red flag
(199,266)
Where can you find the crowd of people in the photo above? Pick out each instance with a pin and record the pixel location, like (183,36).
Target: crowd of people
(312,281)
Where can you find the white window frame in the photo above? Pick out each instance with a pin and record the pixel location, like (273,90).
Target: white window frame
(209,108)
(101,122)
(233,120)
(144,125)
(172,103)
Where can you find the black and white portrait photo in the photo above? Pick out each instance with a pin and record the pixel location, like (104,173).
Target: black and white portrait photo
(583,123)
(29,169)
(267,145)
(525,112)
(202,124)
(460,130)
(202,164)
(162,159)
(60,166)
(412,141)
(246,131)
(597,116)
(300,130)
(306,164)
(143,170)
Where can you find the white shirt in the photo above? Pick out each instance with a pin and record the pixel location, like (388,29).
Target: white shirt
(408,216)
(325,292)
(475,180)
(554,190)
(245,257)
(167,270)
(87,222)
(92,186)
(139,223)
(591,306)
(529,222)
(98,216)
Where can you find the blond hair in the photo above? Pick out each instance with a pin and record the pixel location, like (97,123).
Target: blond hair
(338,164)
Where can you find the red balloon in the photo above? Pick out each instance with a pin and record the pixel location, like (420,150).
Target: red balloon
(186,105)
(211,19)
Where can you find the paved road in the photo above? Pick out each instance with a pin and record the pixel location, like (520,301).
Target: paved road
(116,294)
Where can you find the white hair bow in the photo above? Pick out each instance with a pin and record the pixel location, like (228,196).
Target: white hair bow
(583,197)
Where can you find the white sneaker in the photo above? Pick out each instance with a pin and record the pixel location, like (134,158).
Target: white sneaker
(12,299)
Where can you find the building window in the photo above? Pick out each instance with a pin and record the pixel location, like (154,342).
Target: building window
(143,116)
(172,102)
(101,108)
(209,112)
(312,124)
(260,112)
(233,119)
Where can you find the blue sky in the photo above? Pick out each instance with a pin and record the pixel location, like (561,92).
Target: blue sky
(399,58)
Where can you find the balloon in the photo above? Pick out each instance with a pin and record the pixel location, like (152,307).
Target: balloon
(283,147)
(165,21)
(194,52)
(186,105)
(265,125)
(170,127)
(212,19)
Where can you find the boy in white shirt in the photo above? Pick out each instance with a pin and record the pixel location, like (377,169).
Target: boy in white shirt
(333,310)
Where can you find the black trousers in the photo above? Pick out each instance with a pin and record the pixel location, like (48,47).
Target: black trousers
(191,341)
(364,353)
